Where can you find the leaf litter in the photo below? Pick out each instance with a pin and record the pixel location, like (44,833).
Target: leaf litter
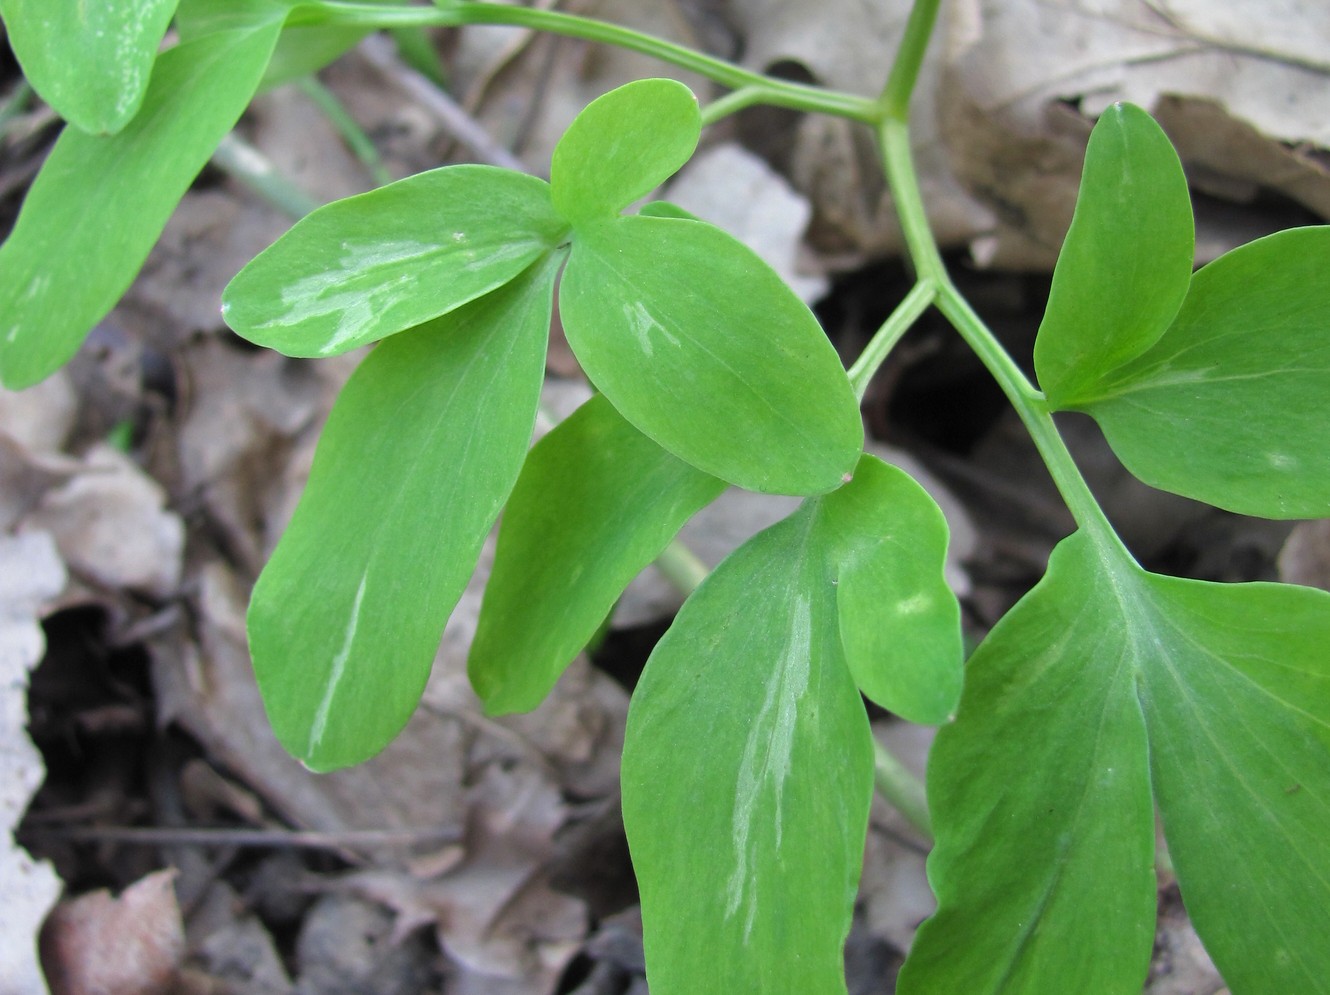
(485,855)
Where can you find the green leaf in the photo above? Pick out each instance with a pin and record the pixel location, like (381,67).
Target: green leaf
(1126,262)
(369,266)
(899,621)
(89,61)
(1231,405)
(622,146)
(747,776)
(1041,794)
(416,460)
(99,203)
(596,502)
(703,348)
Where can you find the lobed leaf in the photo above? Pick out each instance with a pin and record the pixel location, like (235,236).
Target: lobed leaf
(622,146)
(369,266)
(97,206)
(89,61)
(1127,259)
(595,503)
(1041,793)
(899,620)
(747,776)
(417,458)
(703,348)
(1231,405)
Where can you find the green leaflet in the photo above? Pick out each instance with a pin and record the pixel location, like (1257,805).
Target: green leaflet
(622,146)
(703,348)
(415,462)
(100,202)
(369,266)
(89,61)
(747,763)
(747,775)
(596,502)
(1041,794)
(899,621)
(1126,262)
(1231,405)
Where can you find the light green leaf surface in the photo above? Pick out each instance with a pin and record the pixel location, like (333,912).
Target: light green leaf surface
(99,203)
(703,348)
(1042,799)
(1232,405)
(417,458)
(899,621)
(747,775)
(596,502)
(622,146)
(369,266)
(89,61)
(1127,259)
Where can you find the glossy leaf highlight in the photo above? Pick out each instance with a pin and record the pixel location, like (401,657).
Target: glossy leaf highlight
(369,266)
(100,202)
(1127,259)
(622,146)
(704,348)
(89,61)
(1231,405)
(596,502)
(417,458)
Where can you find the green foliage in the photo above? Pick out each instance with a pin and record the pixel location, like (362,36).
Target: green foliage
(1107,697)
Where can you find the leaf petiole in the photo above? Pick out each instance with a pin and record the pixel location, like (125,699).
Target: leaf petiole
(907,312)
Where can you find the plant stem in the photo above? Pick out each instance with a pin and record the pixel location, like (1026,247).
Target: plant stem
(731,103)
(895,99)
(907,312)
(783,93)
(898,785)
(348,127)
(240,160)
(682,567)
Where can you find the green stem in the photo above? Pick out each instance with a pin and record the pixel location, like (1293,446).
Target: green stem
(682,567)
(783,93)
(898,785)
(895,99)
(240,160)
(731,103)
(348,127)
(907,312)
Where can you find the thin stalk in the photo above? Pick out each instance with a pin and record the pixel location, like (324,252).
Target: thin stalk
(682,567)
(348,127)
(898,785)
(783,93)
(731,103)
(898,161)
(243,162)
(895,99)
(907,312)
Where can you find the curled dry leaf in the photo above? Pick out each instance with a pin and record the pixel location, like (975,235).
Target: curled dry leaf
(30,573)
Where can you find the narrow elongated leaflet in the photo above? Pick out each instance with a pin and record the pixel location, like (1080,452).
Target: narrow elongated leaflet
(1104,683)
(1126,262)
(699,344)
(1231,405)
(747,775)
(369,266)
(596,502)
(89,61)
(622,146)
(416,460)
(99,202)
(900,623)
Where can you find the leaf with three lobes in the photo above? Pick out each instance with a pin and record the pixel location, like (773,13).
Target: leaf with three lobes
(1231,405)
(417,458)
(1126,262)
(1106,681)
(595,503)
(369,266)
(704,348)
(89,61)
(622,146)
(899,622)
(747,776)
(99,202)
